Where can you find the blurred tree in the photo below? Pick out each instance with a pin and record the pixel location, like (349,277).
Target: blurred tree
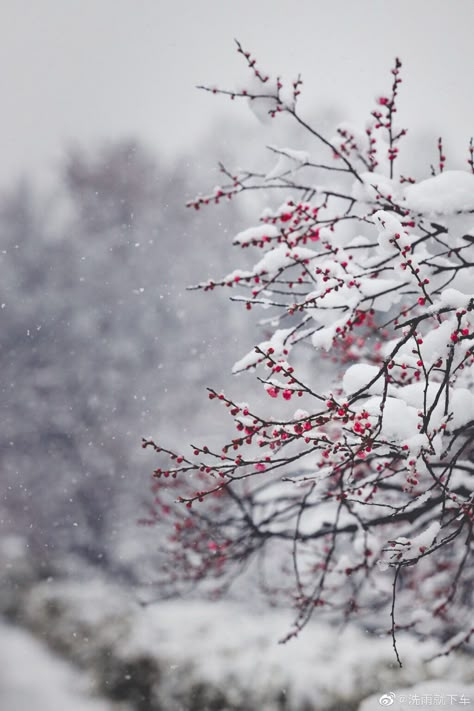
(82,352)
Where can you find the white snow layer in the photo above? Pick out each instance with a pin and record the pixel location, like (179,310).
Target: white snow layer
(374,184)
(32,678)
(278,342)
(444,194)
(234,649)
(256,233)
(358,376)
(452,298)
(288,161)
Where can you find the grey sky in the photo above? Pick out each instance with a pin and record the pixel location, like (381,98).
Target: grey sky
(73,70)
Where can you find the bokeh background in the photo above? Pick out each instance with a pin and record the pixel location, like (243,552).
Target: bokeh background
(104,138)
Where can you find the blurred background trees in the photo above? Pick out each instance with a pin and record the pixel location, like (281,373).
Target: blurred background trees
(101,342)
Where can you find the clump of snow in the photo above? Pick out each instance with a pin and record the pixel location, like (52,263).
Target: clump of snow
(279,342)
(427,537)
(324,337)
(280,257)
(435,342)
(358,376)
(258,233)
(444,194)
(384,292)
(273,261)
(399,419)
(300,414)
(388,226)
(262,106)
(455,299)
(462,407)
(289,160)
(373,185)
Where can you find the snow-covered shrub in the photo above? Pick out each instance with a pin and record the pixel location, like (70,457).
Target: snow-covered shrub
(359,478)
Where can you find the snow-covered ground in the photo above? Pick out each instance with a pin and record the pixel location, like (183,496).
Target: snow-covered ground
(87,644)
(194,655)
(33,679)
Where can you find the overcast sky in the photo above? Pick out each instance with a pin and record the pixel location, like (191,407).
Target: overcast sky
(75,70)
